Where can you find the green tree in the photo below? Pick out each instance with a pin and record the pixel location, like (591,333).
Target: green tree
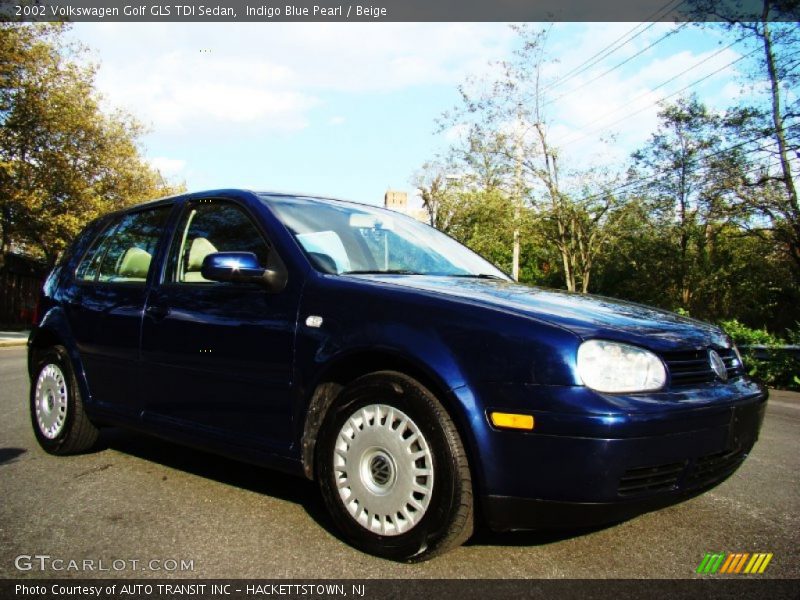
(680,165)
(582,227)
(476,162)
(63,161)
(508,148)
(479,216)
(769,128)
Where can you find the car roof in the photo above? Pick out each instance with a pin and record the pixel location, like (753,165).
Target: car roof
(230,191)
(317,198)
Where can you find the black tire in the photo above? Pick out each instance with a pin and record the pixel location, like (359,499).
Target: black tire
(75,433)
(447,521)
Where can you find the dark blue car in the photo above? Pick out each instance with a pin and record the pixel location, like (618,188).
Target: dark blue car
(418,384)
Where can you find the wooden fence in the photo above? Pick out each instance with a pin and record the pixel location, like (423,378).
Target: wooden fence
(20,283)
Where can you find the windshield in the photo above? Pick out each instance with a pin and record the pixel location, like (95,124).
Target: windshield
(342,237)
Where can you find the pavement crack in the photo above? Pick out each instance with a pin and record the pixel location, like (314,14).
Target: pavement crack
(95,470)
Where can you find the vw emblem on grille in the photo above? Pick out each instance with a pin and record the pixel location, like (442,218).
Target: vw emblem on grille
(717,365)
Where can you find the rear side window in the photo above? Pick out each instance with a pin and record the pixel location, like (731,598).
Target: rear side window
(87,269)
(124,253)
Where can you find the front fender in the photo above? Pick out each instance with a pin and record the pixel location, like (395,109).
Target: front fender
(449,345)
(326,361)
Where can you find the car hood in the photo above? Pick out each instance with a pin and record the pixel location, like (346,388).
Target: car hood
(585,315)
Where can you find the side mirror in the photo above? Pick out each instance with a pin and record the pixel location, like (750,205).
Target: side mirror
(242,267)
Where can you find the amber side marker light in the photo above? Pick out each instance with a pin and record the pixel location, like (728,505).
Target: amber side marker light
(511,421)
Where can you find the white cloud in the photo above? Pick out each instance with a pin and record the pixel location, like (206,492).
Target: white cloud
(269,76)
(169,167)
(235,103)
(189,89)
(456,133)
(623,104)
(599,108)
(192,80)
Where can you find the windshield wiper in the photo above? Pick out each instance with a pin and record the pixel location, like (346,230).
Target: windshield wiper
(409,272)
(381,272)
(478,276)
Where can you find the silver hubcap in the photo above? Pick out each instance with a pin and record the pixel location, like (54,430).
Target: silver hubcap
(383,469)
(50,401)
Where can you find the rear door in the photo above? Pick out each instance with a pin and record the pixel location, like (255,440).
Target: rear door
(218,356)
(106,307)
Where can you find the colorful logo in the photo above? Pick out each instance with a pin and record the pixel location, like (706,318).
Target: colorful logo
(741,563)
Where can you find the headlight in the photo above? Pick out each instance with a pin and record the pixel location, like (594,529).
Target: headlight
(614,367)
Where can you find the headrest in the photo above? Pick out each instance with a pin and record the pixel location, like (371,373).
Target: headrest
(200,248)
(135,263)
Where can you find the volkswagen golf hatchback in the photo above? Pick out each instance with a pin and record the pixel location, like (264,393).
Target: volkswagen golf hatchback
(413,380)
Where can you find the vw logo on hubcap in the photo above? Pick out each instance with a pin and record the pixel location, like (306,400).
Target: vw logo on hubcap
(381,470)
(717,365)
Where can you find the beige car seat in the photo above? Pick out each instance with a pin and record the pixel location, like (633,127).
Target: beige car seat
(198,251)
(134,265)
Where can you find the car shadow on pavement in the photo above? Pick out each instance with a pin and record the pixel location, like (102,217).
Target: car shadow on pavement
(221,469)
(486,537)
(286,487)
(10,455)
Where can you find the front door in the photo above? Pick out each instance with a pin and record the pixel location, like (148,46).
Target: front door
(218,356)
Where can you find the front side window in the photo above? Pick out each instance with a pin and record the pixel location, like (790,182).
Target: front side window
(209,227)
(124,253)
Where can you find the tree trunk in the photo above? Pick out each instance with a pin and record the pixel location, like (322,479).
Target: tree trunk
(777,117)
(780,138)
(515,250)
(5,243)
(587,273)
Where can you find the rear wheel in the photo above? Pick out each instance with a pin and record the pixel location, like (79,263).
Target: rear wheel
(393,470)
(57,413)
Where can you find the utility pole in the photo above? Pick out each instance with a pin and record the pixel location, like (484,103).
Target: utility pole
(518,193)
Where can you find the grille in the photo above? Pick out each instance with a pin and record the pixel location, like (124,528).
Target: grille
(643,480)
(711,467)
(693,366)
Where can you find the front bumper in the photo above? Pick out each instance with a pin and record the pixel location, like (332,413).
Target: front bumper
(506,513)
(644,489)
(577,470)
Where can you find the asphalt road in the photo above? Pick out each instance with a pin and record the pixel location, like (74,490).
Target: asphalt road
(140,499)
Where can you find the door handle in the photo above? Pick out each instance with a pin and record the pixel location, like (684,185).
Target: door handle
(157,311)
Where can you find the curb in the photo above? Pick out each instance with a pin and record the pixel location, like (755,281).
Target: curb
(784,395)
(10,343)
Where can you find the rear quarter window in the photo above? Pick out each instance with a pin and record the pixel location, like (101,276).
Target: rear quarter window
(124,252)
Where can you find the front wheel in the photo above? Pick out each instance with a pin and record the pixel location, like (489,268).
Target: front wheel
(57,413)
(393,470)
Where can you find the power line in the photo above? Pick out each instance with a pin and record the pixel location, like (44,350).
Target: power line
(618,65)
(683,89)
(650,91)
(642,182)
(615,45)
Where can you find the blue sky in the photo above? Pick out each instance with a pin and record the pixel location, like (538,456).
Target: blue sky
(348,109)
